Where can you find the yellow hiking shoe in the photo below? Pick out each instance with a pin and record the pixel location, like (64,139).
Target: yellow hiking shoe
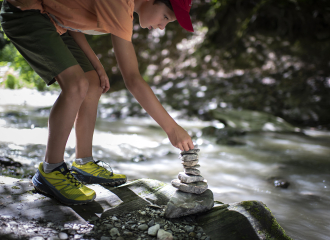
(61,185)
(92,172)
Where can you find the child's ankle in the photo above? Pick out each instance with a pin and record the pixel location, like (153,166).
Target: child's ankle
(82,161)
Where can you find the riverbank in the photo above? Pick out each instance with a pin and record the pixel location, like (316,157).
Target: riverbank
(132,211)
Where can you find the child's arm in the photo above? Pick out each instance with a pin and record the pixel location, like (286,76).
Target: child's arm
(84,45)
(127,61)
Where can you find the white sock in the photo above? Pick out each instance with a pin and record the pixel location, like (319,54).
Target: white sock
(49,167)
(82,161)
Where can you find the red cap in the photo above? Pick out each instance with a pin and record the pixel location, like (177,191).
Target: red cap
(181,10)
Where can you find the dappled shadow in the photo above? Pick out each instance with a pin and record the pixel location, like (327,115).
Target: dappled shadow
(19,199)
(139,195)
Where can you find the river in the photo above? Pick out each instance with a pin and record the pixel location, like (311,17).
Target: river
(139,148)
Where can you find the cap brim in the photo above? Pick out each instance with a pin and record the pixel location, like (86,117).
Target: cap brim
(182,16)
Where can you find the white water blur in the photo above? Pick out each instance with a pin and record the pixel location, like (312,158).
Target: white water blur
(234,173)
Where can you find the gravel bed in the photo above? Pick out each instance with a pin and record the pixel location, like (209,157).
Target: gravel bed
(137,225)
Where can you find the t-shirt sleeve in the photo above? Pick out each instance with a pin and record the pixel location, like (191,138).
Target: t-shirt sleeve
(115,17)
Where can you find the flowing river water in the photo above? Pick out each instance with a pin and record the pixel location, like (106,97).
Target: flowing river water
(139,148)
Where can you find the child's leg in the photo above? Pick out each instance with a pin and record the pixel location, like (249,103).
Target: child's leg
(86,170)
(86,117)
(74,85)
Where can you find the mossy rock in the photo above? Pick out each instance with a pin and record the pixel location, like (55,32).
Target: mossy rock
(250,220)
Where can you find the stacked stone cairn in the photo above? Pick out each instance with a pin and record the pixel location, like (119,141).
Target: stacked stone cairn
(193,195)
(190,180)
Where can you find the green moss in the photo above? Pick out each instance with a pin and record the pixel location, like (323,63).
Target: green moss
(273,230)
(30,192)
(246,204)
(15,187)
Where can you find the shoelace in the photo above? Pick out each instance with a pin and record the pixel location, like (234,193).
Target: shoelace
(105,166)
(71,178)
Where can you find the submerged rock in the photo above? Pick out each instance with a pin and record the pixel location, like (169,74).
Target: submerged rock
(183,204)
(279,182)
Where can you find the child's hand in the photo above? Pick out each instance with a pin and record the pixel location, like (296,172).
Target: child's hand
(104,80)
(180,138)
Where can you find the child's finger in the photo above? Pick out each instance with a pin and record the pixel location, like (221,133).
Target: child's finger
(185,147)
(191,145)
(102,82)
(180,147)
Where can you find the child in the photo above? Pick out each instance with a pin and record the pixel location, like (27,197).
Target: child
(50,36)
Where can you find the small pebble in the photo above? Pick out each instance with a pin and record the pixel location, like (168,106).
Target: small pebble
(37,238)
(152,231)
(143,227)
(151,223)
(114,232)
(63,235)
(192,234)
(189,228)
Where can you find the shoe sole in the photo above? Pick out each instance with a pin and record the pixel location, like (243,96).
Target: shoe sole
(113,183)
(50,194)
(85,179)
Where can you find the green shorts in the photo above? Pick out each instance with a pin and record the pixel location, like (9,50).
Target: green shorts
(36,38)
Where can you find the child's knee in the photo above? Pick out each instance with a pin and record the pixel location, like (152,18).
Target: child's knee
(77,89)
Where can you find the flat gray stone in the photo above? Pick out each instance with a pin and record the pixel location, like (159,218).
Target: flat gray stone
(189,163)
(189,157)
(191,151)
(192,171)
(194,167)
(183,204)
(197,187)
(185,178)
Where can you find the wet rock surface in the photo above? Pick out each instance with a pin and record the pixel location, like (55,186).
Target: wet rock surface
(279,182)
(130,211)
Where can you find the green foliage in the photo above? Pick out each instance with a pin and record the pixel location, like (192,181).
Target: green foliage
(263,55)
(11,82)
(29,78)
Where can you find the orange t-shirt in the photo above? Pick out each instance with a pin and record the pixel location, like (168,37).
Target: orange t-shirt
(87,16)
